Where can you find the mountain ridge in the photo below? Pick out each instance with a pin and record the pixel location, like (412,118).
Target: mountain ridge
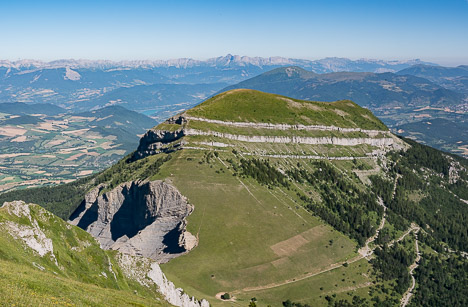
(283,75)
(317,223)
(332,63)
(396,99)
(453,78)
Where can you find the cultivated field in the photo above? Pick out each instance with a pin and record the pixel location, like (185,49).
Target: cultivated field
(42,150)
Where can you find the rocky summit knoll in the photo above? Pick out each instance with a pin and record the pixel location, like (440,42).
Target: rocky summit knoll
(290,202)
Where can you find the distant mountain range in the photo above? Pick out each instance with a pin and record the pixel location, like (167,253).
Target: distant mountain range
(118,121)
(394,90)
(159,100)
(151,86)
(454,78)
(67,87)
(332,64)
(378,92)
(19,108)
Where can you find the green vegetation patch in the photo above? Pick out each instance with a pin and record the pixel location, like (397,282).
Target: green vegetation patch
(254,106)
(250,235)
(62,200)
(425,171)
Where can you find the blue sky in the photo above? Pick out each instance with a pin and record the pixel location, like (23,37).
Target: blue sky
(434,30)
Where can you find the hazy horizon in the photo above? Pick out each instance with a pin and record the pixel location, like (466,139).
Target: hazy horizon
(220,56)
(432,31)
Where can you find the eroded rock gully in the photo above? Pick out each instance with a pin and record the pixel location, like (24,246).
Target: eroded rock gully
(142,218)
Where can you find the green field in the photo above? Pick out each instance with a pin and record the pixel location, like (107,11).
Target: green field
(251,236)
(254,106)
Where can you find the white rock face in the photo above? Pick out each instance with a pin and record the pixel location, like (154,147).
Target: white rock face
(18,208)
(285,126)
(314,157)
(172,294)
(154,140)
(147,273)
(188,241)
(32,236)
(379,142)
(213,144)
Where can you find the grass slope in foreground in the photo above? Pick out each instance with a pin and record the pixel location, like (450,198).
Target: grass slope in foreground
(44,261)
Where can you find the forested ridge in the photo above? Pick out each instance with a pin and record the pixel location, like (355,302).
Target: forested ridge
(420,185)
(343,205)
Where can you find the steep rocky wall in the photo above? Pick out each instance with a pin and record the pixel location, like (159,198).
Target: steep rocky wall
(148,273)
(283,126)
(154,140)
(380,142)
(143,218)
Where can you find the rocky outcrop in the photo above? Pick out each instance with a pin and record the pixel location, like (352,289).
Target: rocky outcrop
(172,294)
(379,142)
(284,126)
(148,273)
(143,218)
(32,235)
(154,140)
(178,120)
